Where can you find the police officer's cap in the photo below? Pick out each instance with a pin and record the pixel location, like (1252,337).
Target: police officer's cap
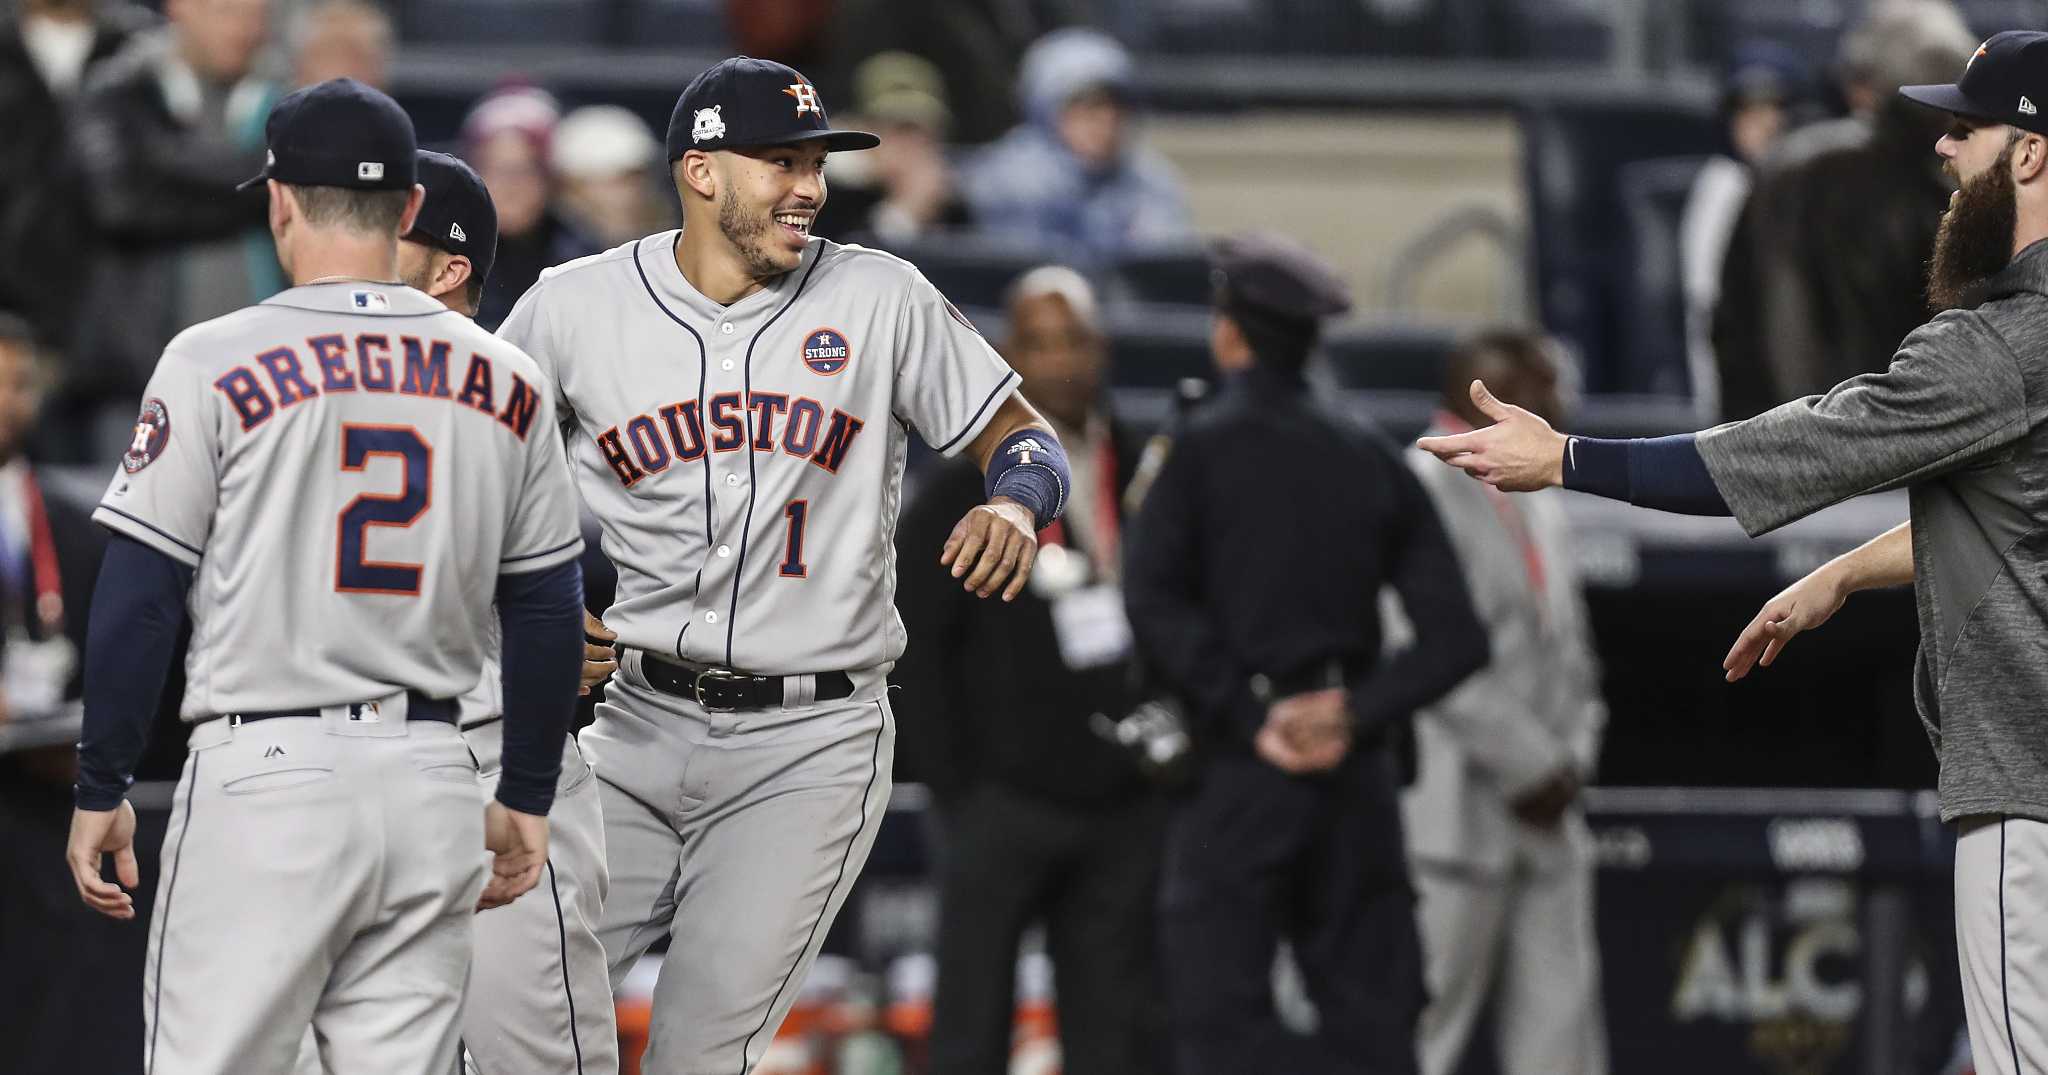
(338,133)
(1276,276)
(457,215)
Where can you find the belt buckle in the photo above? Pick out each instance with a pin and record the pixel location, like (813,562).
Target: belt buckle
(718,674)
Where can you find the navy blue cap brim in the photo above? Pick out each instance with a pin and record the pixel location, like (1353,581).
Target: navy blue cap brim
(1949,98)
(835,141)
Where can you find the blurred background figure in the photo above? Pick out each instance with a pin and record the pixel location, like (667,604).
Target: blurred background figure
(608,167)
(904,189)
(506,139)
(164,131)
(46,49)
(1043,819)
(1075,173)
(341,39)
(1825,274)
(56,1012)
(1759,103)
(1252,578)
(1502,857)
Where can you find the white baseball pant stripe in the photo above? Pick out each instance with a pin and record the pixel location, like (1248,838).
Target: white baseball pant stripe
(2002,941)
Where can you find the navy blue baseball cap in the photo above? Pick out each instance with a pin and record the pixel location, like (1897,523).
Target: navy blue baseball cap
(458,215)
(338,133)
(748,102)
(2006,81)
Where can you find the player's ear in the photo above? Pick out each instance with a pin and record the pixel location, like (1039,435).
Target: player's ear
(413,201)
(454,274)
(697,173)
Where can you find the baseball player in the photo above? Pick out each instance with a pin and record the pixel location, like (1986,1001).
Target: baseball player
(333,482)
(740,396)
(539,999)
(1954,420)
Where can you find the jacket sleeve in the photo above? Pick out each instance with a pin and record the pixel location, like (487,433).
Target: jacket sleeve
(149,182)
(932,706)
(1450,643)
(1173,628)
(1491,714)
(1954,392)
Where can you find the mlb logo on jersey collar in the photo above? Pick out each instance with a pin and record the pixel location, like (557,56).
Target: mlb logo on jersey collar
(827,351)
(368,300)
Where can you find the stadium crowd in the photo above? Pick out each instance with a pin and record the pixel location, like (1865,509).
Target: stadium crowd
(1054,222)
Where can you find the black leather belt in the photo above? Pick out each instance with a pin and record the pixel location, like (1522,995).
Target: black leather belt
(722,690)
(417,707)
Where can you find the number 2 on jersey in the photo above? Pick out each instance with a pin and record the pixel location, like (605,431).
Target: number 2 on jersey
(352,572)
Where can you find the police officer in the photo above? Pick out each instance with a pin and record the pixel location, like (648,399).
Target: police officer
(1252,579)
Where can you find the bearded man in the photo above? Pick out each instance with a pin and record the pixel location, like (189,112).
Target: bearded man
(1959,419)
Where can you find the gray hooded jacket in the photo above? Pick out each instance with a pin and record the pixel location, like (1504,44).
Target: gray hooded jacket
(1958,420)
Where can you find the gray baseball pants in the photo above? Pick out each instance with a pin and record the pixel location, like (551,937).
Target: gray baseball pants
(739,834)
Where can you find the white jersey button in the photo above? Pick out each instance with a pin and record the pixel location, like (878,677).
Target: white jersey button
(725,365)
(711,617)
(732,479)
(726,328)
(725,550)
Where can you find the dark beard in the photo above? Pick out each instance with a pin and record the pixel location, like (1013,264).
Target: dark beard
(1975,239)
(747,234)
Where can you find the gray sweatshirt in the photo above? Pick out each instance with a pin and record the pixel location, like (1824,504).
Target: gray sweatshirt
(1958,420)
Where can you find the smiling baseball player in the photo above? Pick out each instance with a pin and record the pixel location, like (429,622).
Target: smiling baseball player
(334,482)
(741,396)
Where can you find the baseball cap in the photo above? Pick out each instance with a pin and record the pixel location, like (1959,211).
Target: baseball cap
(1276,276)
(338,133)
(457,215)
(2006,81)
(748,102)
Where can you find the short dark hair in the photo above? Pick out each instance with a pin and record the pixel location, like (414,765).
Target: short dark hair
(1277,341)
(15,329)
(370,212)
(473,289)
(1519,348)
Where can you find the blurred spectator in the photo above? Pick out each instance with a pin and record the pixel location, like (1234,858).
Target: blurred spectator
(974,43)
(904,189)
(342,39)
(506,138)
(613,185)
(1074,172)
(1501,853)
(45,52)
(1765,82)
(1824,275)
(57,1012)
(165,131)
(1252,575)
(786,31)
(1043,819)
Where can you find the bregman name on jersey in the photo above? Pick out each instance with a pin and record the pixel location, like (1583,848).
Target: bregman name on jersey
(371,362)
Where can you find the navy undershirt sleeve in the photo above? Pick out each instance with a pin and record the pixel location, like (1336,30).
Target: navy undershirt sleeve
(138,605)
(542,616)
(1666,473)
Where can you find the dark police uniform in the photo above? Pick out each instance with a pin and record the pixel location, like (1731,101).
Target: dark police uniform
(1253,574)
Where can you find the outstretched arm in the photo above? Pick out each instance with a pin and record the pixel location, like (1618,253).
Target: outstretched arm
(1885,560)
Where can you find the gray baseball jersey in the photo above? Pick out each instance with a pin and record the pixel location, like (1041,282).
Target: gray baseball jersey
(746,461)
(347,467)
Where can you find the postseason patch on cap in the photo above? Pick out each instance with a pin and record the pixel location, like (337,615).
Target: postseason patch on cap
(826,351)
(152,433)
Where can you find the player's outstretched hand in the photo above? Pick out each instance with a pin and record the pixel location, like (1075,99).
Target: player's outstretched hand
(94,833)
(519,848)
(993,544)
(600,660)
(1518,452)
(1802,606)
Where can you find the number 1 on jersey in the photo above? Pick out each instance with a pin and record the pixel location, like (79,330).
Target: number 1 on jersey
(352,572)
(798,513)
